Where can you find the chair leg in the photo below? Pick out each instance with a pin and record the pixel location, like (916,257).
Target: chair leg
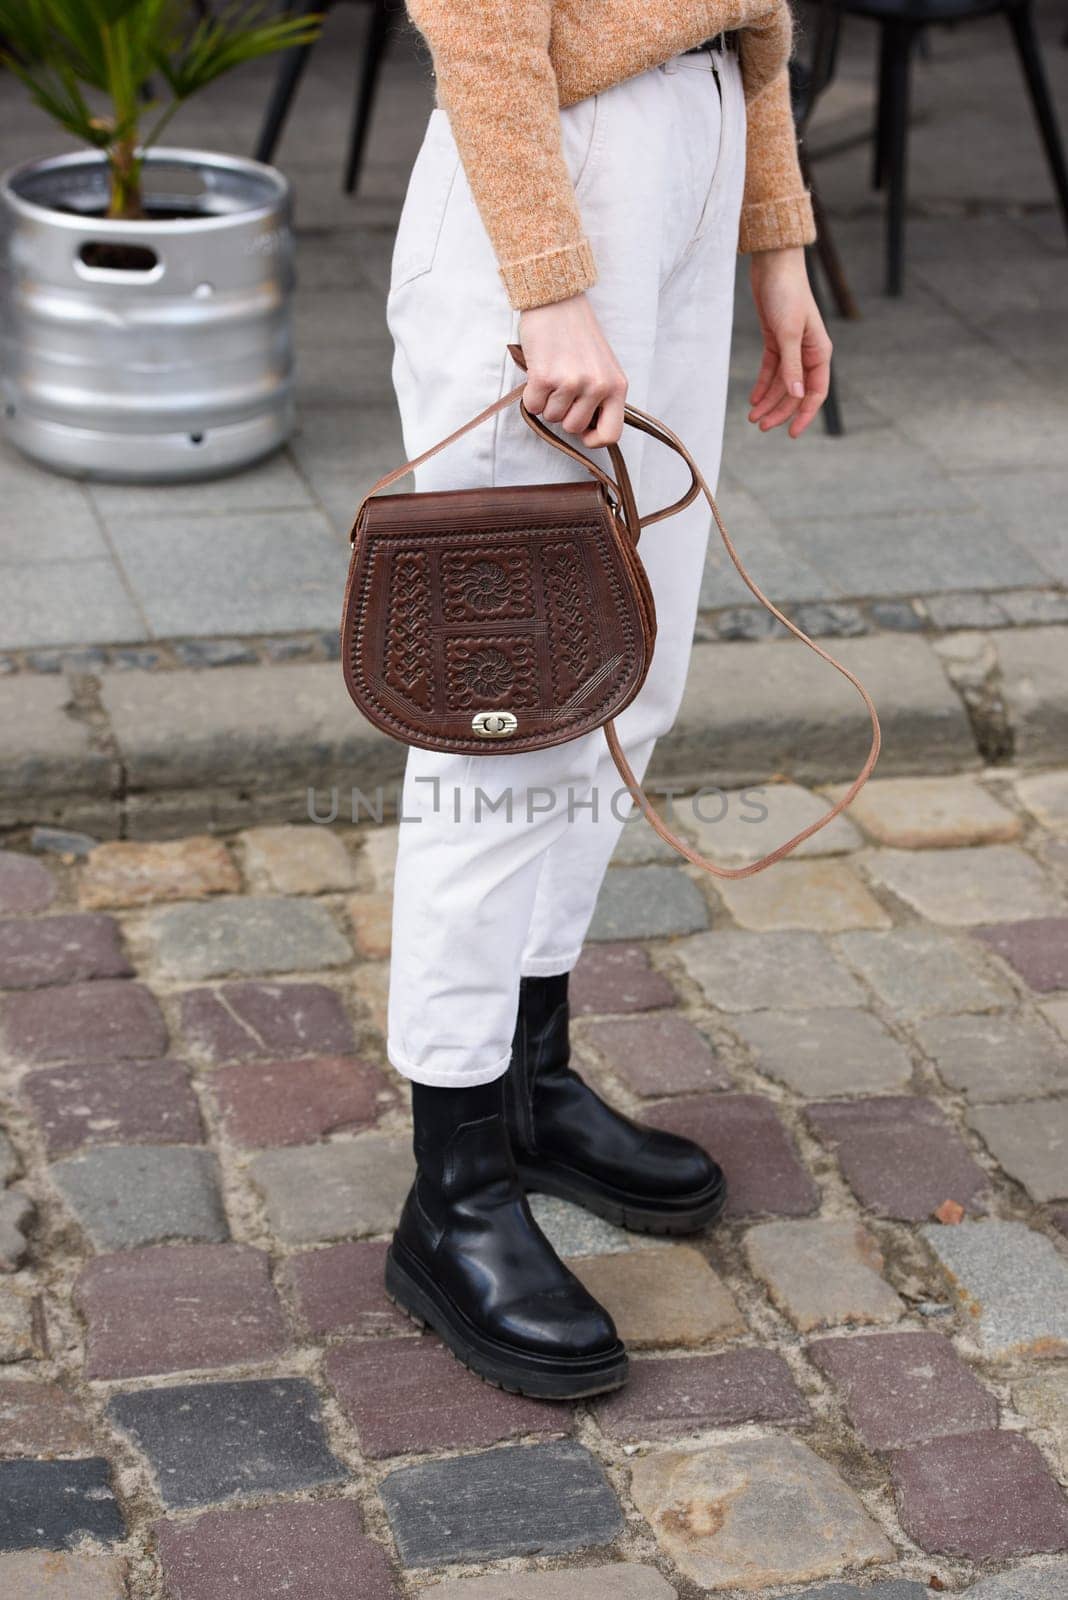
(373,57)
(832,415)
(878,157)
(826,249)
(1025,36)
(898,41)
(287,81)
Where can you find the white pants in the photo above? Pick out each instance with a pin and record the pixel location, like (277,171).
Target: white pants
(501,856)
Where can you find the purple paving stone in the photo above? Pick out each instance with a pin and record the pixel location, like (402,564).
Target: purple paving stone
(744,1134)
(238,1021)
(1037,950)
(678,1395)
(900,1155)
(52,1505)
(297,1102)
(114,1102)
(61,949)
(340,1289)
(25,885)
(110,1017)
(659,1055)
(407,1396)
(615,978)
(899,1388)
(208,1442)
(299,1550)
(174,1308)
(41,1419)
(983,1496)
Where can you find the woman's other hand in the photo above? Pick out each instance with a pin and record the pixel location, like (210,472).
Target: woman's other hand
(571,370)
(796,370)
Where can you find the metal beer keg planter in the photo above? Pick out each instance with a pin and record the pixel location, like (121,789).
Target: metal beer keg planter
(151,350)
(144,292)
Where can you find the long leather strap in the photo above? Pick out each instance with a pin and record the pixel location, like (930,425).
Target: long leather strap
(623,498)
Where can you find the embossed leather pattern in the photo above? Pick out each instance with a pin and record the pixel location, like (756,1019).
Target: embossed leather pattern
(524,599)
(524,612)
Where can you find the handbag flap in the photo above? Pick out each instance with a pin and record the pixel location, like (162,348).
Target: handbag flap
(517,615)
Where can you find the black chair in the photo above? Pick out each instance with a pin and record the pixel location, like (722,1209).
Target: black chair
(291,70)
(901,23)
(808,79)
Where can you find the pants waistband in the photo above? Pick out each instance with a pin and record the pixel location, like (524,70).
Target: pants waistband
(728,40)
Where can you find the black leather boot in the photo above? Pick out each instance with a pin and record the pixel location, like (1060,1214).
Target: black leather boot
(568,1142)
(468,1259)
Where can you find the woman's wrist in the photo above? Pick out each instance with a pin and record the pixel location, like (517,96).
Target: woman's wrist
(785,258)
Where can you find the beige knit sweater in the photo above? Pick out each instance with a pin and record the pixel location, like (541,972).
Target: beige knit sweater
(504,67)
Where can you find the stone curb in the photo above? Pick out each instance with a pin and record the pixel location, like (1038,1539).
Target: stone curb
(139,754)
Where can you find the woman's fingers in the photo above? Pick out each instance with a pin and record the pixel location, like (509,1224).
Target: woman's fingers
(768,368)
(785,407)
(817,386)
(575,401)
(608,427)
(574,378)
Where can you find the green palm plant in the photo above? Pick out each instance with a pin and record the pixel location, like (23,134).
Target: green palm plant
(114,72)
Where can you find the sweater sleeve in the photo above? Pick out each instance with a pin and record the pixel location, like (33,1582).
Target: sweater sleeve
(776,206)
(496,82)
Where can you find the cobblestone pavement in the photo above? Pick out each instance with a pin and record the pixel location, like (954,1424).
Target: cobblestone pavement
(941,508)
(856,1384)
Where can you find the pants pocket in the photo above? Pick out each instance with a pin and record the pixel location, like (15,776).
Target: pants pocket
(583,137)
(426,198)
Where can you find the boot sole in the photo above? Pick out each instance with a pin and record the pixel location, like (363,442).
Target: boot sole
(564,1184)
(538,1377)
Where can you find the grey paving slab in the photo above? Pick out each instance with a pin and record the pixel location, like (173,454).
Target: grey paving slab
(253,572)
(864,474)
(1011,1282)
(257,934)
(539,1499)
(648,902)
(1030,1141)
(996,1056)
(742,971)
(1034,676)
(1030,506)
(751,710)
(918,973)
(46,750)
(128,1195)
(769,554)
(213,1441)
(53,522)
(55,1504)
(68,602)
(919,553)
(827,1052)
(1046,1582)
(615,1582)
(270,485)
(254,725)
(333,1191)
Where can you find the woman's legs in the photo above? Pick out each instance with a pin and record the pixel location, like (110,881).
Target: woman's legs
(687,389)
(500,860)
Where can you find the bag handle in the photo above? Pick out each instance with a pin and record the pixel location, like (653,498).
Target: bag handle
(622,495)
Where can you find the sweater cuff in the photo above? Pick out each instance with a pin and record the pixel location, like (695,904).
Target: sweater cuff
(550,275)
(777,224)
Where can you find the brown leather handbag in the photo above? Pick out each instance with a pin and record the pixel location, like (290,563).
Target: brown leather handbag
(514,618)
